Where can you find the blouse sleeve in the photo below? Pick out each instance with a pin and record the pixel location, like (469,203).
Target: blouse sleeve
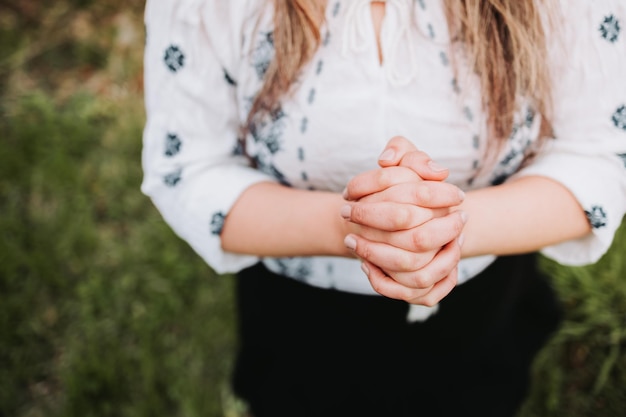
(588,152)
(192,171)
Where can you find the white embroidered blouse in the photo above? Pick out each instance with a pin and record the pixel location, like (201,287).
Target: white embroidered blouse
(205,61)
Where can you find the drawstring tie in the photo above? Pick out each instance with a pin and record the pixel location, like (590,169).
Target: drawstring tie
(355,38)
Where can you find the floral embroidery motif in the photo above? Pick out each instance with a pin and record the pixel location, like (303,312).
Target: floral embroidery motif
(173,178)
(623,156)
(610,28)
(422,4)
(266,132)
(269,132)
(519,144)
(174,58)
(172,144)
(596,216)
(238,149)
(619,117)
(297,268)
(336,9)
(217,223)
(263,54)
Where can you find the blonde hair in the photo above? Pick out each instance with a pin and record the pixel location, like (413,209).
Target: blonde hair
(504,40)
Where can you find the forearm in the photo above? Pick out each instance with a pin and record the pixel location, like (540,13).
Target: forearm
(273,220)
(521,216)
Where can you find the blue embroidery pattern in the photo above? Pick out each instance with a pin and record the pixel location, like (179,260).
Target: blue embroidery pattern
(320,67)
(174,58)
(431,31)
(610,28)
(238,149)
(297,268)
(623,156)
(619,117)
(596,216)
(230,80)
(172,144)
(173,178)
(267,131)
(217,223)
(519,144)
(263,54)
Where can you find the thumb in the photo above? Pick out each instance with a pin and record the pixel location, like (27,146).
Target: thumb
(395,149)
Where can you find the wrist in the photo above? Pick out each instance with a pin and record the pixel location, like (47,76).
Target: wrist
(340,228)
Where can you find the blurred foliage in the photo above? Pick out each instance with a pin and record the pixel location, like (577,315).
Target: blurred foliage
(583,370)
(104,311)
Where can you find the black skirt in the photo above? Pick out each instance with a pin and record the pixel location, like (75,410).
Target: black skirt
(306,351)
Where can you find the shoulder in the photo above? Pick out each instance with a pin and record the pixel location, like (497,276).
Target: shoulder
(210,13)
(587,34)
(196,25)
(591,15)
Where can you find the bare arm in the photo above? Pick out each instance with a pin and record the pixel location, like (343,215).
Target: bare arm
(273,220)
(521,216)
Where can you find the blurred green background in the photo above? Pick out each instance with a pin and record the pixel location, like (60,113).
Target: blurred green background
(103,311)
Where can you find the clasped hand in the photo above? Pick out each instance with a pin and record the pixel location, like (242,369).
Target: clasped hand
(407,226)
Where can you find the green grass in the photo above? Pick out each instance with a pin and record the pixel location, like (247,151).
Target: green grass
(104,312)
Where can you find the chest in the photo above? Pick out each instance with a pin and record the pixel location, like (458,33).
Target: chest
(377,74)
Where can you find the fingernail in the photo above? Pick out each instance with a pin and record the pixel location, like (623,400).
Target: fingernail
(387,155)
(461,195)
(365,269)
(463,217)
(436,167)
(345,211)
(344,193)
(460,240)
(350,242)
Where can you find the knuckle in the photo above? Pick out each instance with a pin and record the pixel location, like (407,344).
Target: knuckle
(364,250)
(406,294)
(418,239)
(423,193)
(439,272)
(407,261)
(402,218)
(429,300)
(357,213)
(422,280)
(383,178)
(416,158)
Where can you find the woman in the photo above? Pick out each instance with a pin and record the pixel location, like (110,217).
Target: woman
(267,149)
